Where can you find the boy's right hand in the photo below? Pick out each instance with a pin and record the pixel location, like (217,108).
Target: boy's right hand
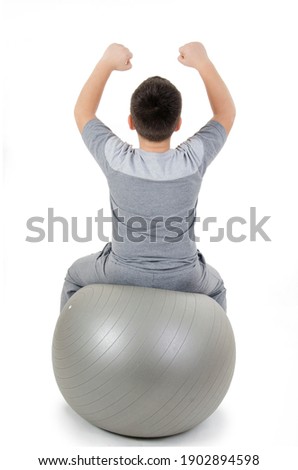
(193,55)
(117,57)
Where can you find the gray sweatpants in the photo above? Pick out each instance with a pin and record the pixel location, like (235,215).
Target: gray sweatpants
(103,268)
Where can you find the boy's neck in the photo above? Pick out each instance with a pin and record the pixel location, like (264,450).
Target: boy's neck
(154,147)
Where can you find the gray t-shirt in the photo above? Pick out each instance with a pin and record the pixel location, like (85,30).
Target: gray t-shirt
(154,195)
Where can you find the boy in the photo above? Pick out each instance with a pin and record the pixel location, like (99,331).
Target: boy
(153,189)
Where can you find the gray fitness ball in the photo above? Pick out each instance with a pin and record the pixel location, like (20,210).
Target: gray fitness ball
(143,362)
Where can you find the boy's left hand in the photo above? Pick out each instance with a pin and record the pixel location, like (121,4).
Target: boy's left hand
(117,57)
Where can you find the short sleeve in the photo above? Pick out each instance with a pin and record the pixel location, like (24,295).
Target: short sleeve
(207,143)
(96,134)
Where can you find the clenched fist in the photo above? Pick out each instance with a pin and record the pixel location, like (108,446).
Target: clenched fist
(193,55)
(117,57)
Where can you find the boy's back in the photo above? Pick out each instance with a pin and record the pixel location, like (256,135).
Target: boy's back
(154,195)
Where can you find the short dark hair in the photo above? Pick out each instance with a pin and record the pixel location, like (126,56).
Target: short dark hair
(155,108)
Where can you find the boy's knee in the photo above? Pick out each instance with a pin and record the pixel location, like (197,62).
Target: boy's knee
(72,273)
(216,281)
(220,289)
(221,296)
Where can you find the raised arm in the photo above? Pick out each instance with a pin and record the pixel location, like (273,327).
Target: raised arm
(194,55)
(116,57)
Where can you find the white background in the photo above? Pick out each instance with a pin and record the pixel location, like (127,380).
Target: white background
(50,49)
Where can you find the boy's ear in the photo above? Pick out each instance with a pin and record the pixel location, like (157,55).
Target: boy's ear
(131,123)
(177,128)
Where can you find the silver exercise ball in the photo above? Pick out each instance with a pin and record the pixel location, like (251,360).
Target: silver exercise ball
(143,362)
